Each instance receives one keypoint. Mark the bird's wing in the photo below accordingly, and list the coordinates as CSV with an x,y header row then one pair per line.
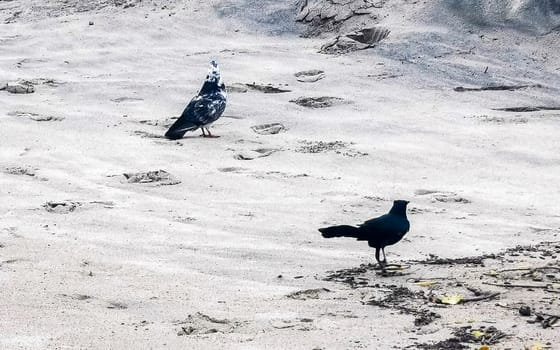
x,y
204,109
375,222
384,228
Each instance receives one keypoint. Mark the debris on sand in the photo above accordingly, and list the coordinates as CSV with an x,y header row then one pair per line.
x,y
354,41
482,335
268,129
498,88
475,260
17,170
448,344
159,177
61,207
527,109
318,102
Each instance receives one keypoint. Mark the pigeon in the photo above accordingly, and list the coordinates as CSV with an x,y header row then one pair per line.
x,y
204,109
380,232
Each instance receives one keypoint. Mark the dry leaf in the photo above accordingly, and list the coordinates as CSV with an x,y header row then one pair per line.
x,y
484,347
426,283
453,299
537,346
479,334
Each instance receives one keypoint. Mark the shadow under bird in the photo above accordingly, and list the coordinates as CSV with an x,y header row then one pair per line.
x,y
204,109
379,232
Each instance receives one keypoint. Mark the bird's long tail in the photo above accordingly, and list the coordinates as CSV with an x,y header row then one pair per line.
x,y
340,231
179,128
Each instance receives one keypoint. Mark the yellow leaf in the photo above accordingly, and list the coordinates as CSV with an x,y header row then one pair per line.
x,y
484,347
537,346
426,283
478,334
451,299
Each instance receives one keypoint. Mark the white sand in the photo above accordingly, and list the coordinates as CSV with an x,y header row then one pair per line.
x,y
217,242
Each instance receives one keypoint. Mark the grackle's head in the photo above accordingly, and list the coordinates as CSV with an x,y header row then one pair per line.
x,y
399,207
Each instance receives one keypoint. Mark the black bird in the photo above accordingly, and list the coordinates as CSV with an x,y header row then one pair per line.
x,y
380,232
204,109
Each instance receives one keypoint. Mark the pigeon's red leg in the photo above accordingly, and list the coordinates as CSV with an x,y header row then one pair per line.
x,y
209,134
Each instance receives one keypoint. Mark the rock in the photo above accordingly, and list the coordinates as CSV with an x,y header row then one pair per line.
x,y
525,310
359,40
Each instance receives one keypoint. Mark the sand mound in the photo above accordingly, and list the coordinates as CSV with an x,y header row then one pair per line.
x,y
267,16
540,15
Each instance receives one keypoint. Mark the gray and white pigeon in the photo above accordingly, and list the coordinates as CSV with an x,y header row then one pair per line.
x,y
204,109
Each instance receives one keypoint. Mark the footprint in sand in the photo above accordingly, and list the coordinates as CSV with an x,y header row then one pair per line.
x,y
35,116
310,76
18,170
442,196
256,153
67,206
156,177
338,147
319,102
200,323
269,129
127,99
308,294
264,88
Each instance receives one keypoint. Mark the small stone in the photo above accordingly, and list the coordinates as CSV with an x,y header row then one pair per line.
x,y
91,23
525,310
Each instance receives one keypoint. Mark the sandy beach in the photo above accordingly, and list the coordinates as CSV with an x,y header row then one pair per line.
x,y
218,247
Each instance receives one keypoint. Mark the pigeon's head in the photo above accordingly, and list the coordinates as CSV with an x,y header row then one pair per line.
x,y
214,73
399,207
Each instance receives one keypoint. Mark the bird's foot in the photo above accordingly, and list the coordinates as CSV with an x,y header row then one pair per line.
x,y
390,270
379,266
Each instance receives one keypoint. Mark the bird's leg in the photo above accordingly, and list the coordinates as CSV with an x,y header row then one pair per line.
x,y
379,262
209,134
384,257
393,266
203,133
